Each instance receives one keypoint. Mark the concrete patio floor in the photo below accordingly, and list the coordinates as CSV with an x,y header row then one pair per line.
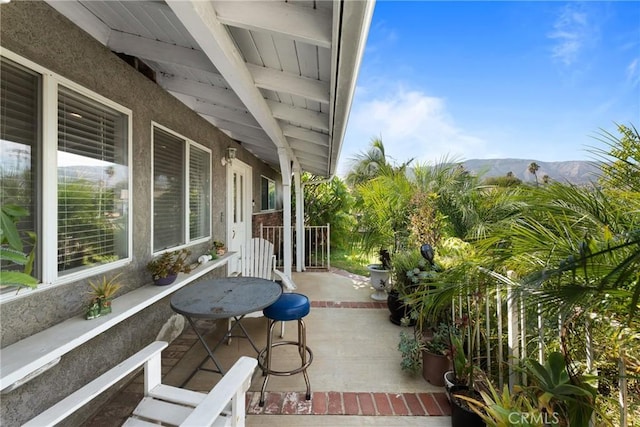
x,y
355,375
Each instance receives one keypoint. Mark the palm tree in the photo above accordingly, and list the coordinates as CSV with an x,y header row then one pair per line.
x,y
368,164
533,169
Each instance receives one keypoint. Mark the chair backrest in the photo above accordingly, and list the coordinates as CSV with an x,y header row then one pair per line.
x,y
258,259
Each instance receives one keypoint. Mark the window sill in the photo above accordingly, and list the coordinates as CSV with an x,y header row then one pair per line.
x,y
33,355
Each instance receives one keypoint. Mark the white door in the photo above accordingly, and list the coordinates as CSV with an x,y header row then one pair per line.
x,y
239,209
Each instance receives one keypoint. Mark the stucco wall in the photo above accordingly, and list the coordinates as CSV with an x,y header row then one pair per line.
x,y
38,33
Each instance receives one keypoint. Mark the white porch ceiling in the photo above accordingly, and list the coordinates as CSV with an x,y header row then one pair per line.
x,y
271,74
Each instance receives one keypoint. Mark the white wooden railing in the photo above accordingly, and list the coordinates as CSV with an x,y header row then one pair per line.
x,y
512,331
316,244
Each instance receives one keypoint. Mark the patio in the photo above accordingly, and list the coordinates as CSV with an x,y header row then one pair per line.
x,y
355,375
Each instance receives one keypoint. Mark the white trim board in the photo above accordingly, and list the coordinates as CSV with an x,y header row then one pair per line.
x,y
33,355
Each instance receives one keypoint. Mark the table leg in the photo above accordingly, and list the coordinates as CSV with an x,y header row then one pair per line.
x,y
237,322
209,354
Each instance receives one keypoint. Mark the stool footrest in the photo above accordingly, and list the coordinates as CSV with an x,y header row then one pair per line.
x,y
262,354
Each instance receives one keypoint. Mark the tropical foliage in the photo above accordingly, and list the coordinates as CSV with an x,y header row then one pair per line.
x,y
329,203
571,252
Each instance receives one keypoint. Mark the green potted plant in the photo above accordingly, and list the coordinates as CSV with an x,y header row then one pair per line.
x,y
410,271
435,360
102,294
165,268
218,248
410,348
494,408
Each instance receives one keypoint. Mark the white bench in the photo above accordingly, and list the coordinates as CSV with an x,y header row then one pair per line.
x,y
224,405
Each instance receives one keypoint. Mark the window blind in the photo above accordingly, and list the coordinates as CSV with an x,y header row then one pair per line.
x,y
168,190
199,193
92,172
19,140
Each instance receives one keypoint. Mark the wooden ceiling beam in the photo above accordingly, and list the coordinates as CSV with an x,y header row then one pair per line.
x,y
304,24
83,18
280,81
299,115
199,90
291,131
158,51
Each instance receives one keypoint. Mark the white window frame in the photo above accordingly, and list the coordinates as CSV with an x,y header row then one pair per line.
x,y
188,144
48,236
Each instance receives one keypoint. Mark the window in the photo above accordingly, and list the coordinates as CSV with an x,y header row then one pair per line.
x,y
66,162
268,194
92,175
181,179
20,135
199,193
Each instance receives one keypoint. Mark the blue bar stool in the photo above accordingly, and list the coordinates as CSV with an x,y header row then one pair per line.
x,y
290,306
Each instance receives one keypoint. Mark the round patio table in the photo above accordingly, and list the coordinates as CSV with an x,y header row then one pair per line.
x,y
224,298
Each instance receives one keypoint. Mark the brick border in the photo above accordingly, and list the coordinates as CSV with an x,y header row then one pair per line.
x,y
349,403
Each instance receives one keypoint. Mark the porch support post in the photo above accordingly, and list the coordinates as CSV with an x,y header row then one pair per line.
x,y
285,169
299,220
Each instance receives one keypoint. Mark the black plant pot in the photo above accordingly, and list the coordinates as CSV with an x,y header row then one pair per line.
x,y
461,414
398,309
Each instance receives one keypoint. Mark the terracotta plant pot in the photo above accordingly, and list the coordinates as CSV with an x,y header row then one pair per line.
x,y
434,366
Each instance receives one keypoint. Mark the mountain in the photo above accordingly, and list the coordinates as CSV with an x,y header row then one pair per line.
x,y
573,171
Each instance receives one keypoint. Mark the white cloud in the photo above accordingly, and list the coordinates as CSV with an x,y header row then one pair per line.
x,y
571,32
411,125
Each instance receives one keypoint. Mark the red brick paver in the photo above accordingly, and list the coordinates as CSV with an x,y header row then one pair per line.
x,y
351,406
366,404
335,402
414,404
398,404
350,403
382,403
441,398
430,403
320,403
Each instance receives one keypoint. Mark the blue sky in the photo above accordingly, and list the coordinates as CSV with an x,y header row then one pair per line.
x,y
533,80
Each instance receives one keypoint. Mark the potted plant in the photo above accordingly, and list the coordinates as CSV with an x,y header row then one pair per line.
x,y
461,360
165,268
410,271
218,248
494,408
410,349
435,361
102,293
379,275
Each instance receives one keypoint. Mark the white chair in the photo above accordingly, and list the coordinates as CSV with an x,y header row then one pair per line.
x,y
224,405
258,260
